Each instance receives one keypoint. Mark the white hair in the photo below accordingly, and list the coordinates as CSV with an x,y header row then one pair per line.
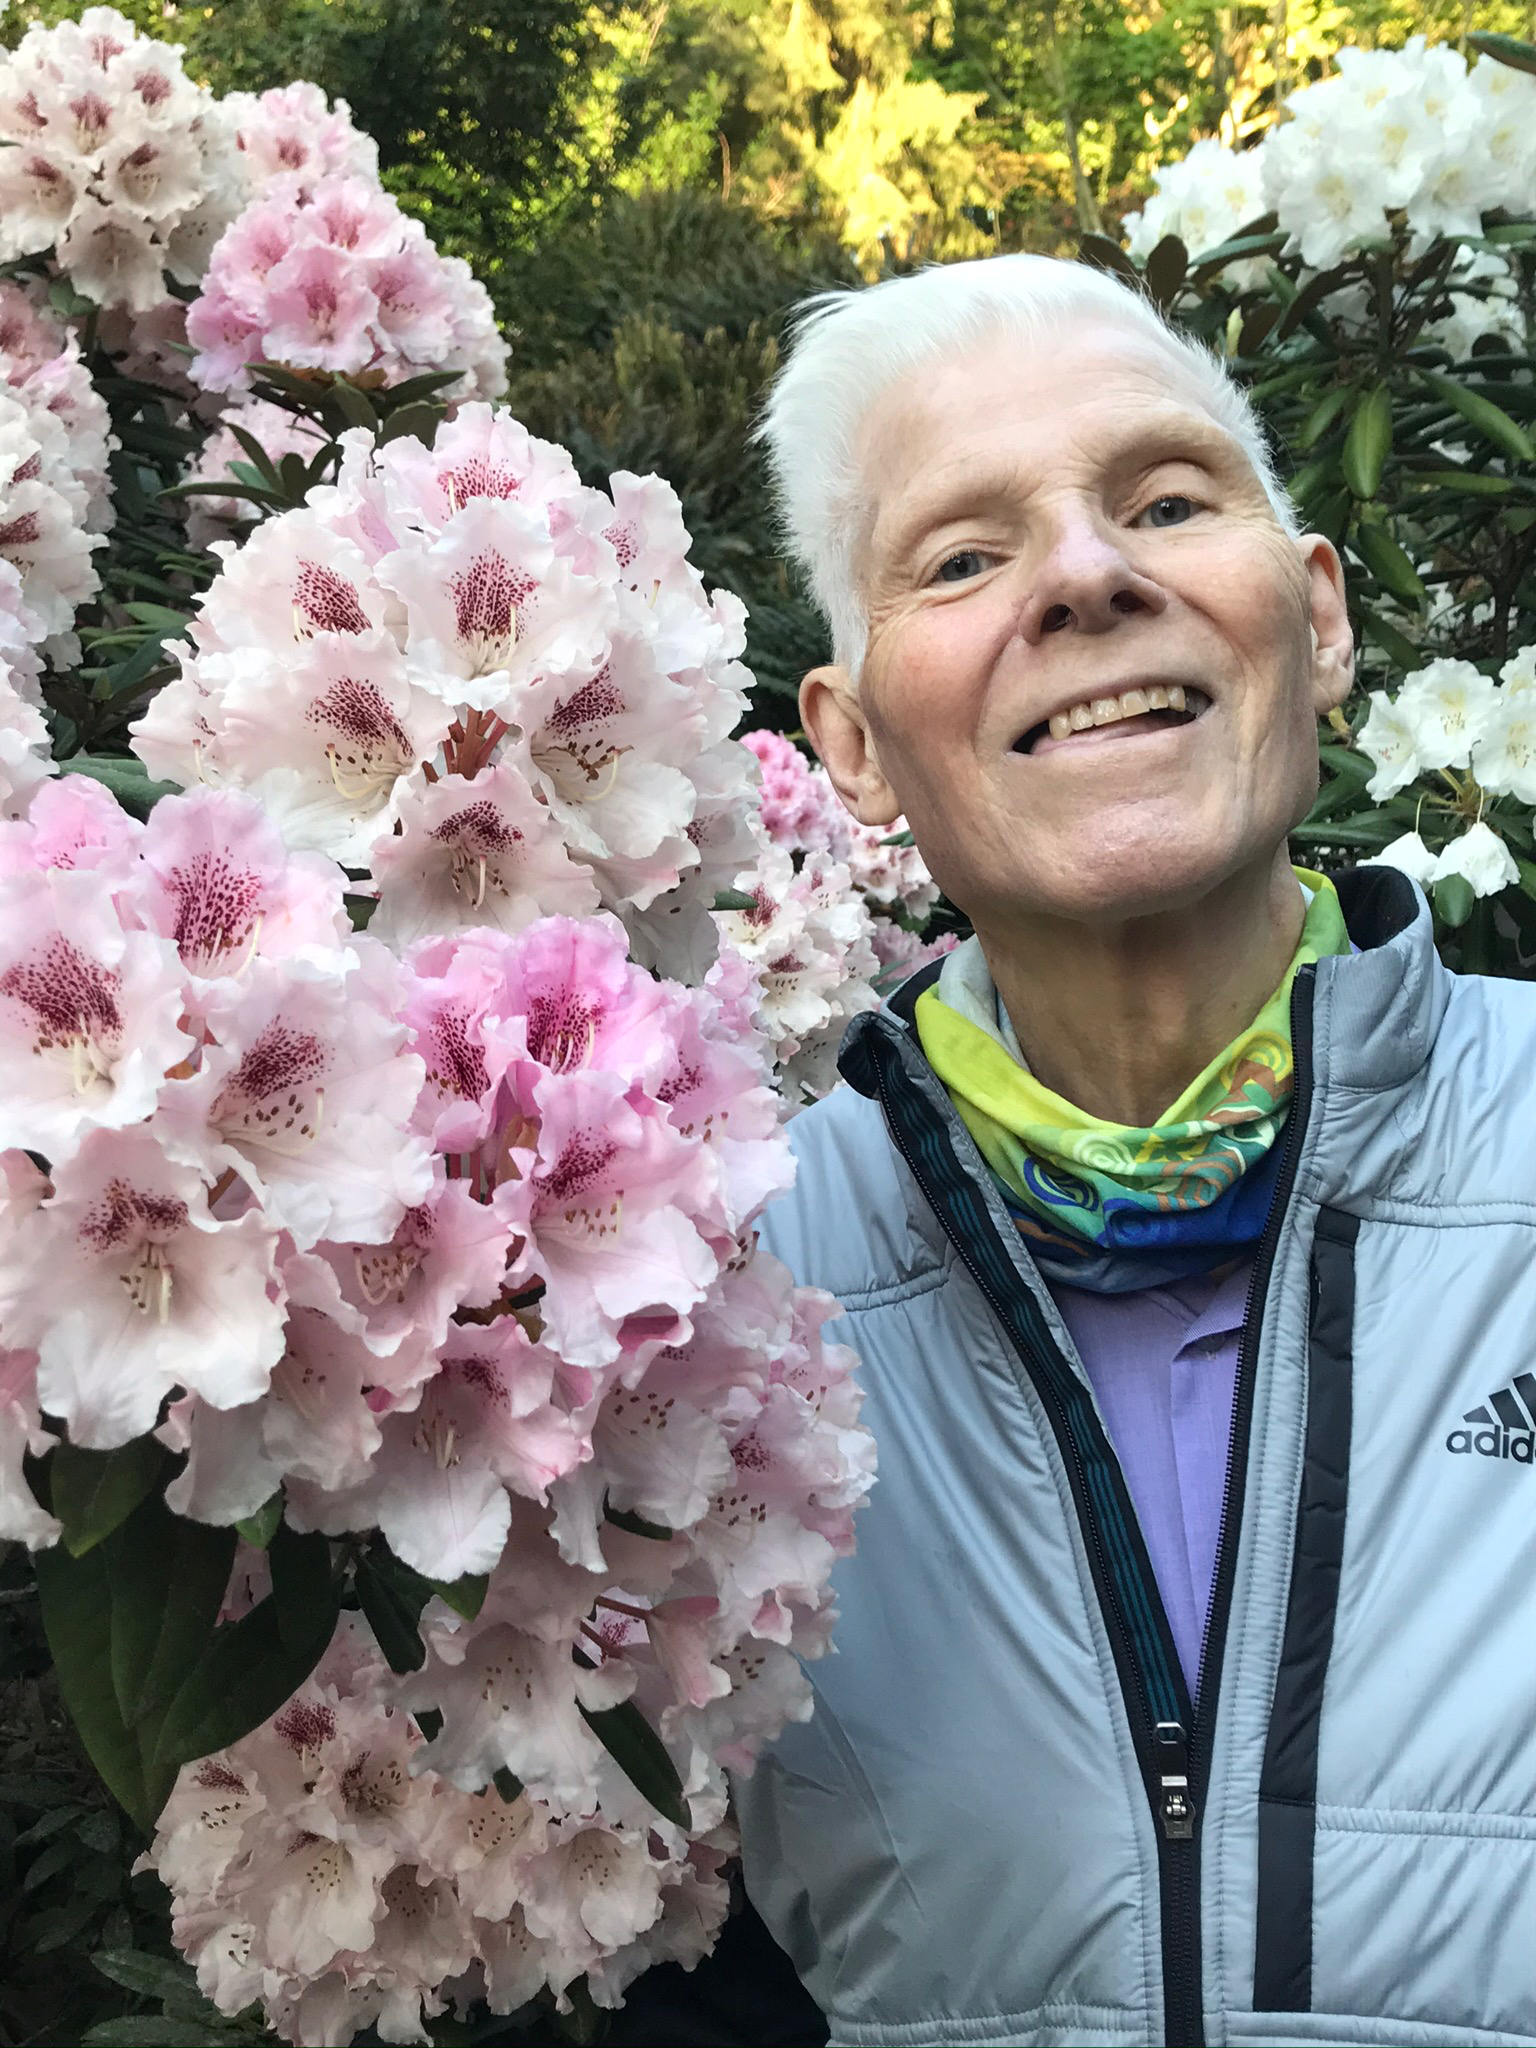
x,y
850,345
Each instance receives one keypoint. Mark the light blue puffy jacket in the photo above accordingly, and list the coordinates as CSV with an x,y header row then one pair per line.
x,y
1006,1822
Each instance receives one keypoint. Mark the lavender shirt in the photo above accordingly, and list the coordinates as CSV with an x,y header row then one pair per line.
x,y
1162,1363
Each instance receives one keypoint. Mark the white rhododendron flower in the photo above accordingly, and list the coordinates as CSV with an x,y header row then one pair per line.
x,y
1410,856
1450,706
1411,135
1504,759
1205,199
1486,304
1390,737
1480,857
1321,193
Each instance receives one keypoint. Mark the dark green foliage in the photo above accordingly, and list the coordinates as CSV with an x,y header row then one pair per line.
x,y
65,1854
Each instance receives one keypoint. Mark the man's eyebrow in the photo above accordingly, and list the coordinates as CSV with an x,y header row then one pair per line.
x,y
1179,437
965,491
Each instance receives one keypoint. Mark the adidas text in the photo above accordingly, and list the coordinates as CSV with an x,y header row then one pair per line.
x,y
1494,1442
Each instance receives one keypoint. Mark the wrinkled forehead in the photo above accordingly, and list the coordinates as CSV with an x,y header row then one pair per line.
x,y
1088,394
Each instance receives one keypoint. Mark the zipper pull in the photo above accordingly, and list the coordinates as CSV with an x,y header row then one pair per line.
x,y
1175,1808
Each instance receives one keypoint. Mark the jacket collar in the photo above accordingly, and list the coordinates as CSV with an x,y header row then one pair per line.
x,y
1378,1011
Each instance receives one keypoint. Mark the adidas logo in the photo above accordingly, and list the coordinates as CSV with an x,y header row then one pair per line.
x,y
1501,1427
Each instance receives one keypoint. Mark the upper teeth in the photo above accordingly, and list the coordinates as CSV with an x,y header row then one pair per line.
x,y
1105,710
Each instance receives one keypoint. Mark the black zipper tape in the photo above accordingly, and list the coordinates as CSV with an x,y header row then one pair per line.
x,y
1282,1964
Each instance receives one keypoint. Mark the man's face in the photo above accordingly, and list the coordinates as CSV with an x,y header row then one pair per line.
x,y
1056,535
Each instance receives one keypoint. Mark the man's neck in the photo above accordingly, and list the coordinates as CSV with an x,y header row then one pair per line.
x,y
1120,1019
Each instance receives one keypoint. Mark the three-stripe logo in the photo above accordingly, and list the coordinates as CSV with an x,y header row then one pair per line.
x,y
1503,1426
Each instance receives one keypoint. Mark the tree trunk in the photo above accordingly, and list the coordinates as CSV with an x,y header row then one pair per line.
x,y
1222,76
1089,219
1279,52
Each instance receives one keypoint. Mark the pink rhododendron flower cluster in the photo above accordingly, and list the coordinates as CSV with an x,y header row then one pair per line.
x,y
889,876
41,365
808,940
503,692
210,1065
44,507
835,907
800,808
110,157
25,762
380,1890
803,812
434,1238
293,132
333,276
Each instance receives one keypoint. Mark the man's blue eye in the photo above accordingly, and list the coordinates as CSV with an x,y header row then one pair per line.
x,y
1168,511
958,567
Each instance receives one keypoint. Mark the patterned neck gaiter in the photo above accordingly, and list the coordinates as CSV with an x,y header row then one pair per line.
x,y
1109,1206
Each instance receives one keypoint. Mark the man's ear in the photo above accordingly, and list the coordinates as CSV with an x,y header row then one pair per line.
x,y
834,720
1333,642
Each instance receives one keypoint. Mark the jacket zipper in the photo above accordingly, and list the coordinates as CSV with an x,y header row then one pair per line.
x,y
1174,1746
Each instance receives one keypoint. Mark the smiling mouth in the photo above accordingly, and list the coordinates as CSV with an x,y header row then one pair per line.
x,y
1153,709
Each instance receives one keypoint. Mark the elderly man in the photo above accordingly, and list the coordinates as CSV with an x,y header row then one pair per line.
x,y
1183,1219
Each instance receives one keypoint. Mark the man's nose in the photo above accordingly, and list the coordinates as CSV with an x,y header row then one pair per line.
x,y
1086,582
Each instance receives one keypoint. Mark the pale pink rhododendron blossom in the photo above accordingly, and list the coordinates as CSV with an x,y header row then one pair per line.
x,y
25,763
22,1518
408,1889
115,161
808,938
177,1002
44,537
327,273
25,756
41,364
800,808
294,132
803,813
